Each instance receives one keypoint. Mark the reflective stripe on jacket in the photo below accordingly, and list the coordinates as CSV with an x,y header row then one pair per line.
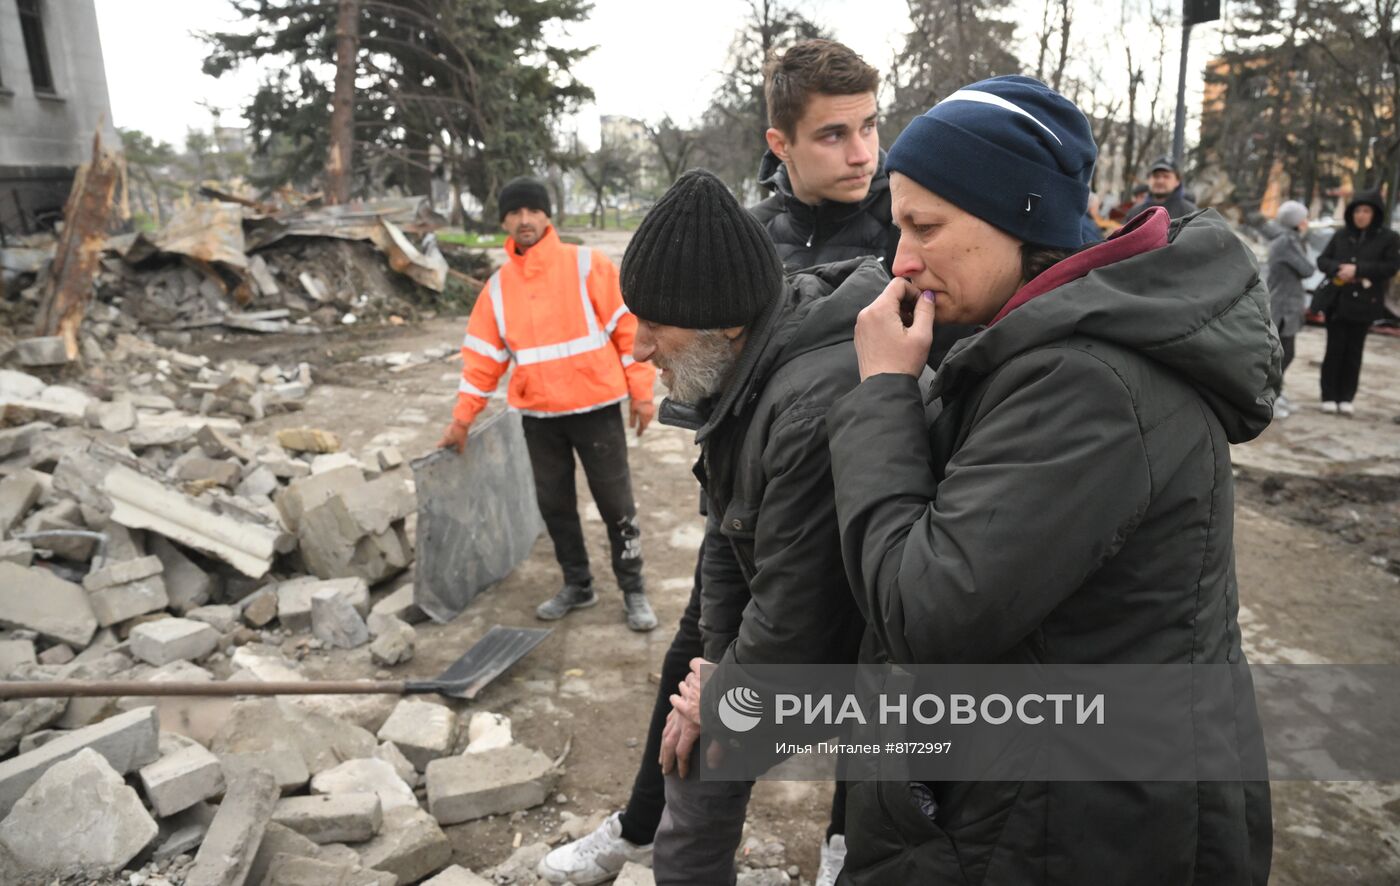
x,y
557,313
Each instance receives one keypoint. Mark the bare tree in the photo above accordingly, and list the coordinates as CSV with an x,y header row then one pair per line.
x,y
674,147
340,160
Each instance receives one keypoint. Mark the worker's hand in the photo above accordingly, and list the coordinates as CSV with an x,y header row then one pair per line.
x,y
640,413
1347,272
895,331
677,742
455,437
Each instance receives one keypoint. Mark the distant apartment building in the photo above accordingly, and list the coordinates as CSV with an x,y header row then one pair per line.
x,y
53,94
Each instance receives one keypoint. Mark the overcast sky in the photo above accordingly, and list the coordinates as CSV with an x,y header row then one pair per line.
x,y
654,57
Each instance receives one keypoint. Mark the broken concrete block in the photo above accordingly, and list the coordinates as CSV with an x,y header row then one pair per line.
x,y
14,653
113,605
303,494
284,466
394,645
208,470
288,736
399,604
142,503
389,458
322,463
182,779
335,622
122,544
334,544
186,585
175,672
22,717
422,730
105,665
490,783
16,385
117,416
221,618
307,440
410,845
127,741
120,573
36,600
341,818
58,654
48,350
182,833
173,639
83,798
63,517
373,776
17,495
278,840
16,441
234,835
259,609
259,481
294,599
217,444
21,553
290,870
477,517
633,874
457,876
487,731
389,753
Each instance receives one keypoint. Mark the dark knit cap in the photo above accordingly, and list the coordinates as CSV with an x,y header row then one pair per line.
x,y
698,260
1164,164
523,193
1011,151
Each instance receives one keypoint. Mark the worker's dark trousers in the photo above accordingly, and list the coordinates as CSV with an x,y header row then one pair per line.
x,y
600,439
1341,362
642,816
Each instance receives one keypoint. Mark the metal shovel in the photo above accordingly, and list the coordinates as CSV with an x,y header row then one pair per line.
x,y
464,678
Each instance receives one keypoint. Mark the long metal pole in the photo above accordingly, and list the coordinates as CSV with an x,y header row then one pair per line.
x,y
1179,132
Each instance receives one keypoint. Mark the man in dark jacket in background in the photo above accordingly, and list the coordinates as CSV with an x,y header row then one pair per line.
x,y
1360,260
1164,188
752,362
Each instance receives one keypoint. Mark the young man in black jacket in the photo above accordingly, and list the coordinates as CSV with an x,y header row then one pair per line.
x,y
830,203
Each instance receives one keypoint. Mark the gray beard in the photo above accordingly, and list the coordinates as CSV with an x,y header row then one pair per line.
x,y
701,370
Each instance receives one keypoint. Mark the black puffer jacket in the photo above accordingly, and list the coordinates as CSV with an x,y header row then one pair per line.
x,y
1072,502
1176,204
1375,250
774,590
830,231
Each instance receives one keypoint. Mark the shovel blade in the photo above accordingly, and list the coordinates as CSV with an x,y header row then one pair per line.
x,y
490,657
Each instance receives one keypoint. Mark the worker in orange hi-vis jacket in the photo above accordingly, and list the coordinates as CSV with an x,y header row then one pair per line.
x,y
556,312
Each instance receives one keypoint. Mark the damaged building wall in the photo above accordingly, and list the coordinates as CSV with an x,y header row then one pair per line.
x,y
46,132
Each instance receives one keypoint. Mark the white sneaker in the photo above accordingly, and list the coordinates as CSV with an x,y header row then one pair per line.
x,y
1345,408
1281,411
1329,407
833,860
597,857
1286,403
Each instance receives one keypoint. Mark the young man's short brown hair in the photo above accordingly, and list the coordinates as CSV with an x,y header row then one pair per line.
x,y
821,66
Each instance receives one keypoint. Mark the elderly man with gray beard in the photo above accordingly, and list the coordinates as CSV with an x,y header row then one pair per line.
x,y
751,362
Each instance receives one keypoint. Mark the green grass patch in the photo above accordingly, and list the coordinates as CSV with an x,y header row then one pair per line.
x,y
459,237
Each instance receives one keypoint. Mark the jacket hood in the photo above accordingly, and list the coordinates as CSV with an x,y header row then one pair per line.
x,y
1372,199
817,309
1197,306
773,176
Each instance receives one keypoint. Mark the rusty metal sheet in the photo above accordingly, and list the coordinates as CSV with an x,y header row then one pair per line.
x,y
208,232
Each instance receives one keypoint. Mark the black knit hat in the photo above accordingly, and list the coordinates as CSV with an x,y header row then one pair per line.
x,y
699,261
523,193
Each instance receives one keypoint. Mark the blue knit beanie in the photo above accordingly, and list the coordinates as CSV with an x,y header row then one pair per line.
x,y
1011,151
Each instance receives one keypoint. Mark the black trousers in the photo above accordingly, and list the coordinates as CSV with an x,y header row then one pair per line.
x,y
600,440
642,816
1289,347
1341,363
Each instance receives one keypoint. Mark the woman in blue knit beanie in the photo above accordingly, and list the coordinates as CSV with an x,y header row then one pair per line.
x,y
1061,494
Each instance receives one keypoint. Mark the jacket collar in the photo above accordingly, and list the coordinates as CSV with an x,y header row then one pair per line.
x,y
537,256
773,176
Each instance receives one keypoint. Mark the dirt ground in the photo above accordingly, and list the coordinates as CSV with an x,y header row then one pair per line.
x,y
1318,543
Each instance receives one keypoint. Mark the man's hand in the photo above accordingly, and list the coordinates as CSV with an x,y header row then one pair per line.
x,y
895,331
640,413
677,742
455,437
1347,272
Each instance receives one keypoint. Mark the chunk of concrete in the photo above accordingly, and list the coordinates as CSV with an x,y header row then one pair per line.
x,y
117,416
232,842
457,876
477,517
259,481
422,730
186,584
373,776
335,545
307,440
17,440
335,622
259,609
291,870
182,833
398,604
46,350
208,470
279,732
220,445
487,731
21,553
127,741
221,618
633,874
37,600
173,639
120,573
79,817
322,463
21,717
62,517
410,845
294,599
390,753
494,782
278,840
178,781
16,385
119,603
339,818
18,494
140,502
394,645
14,653
59,653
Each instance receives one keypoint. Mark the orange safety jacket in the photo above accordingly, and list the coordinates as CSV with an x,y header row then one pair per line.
x,y
557,313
